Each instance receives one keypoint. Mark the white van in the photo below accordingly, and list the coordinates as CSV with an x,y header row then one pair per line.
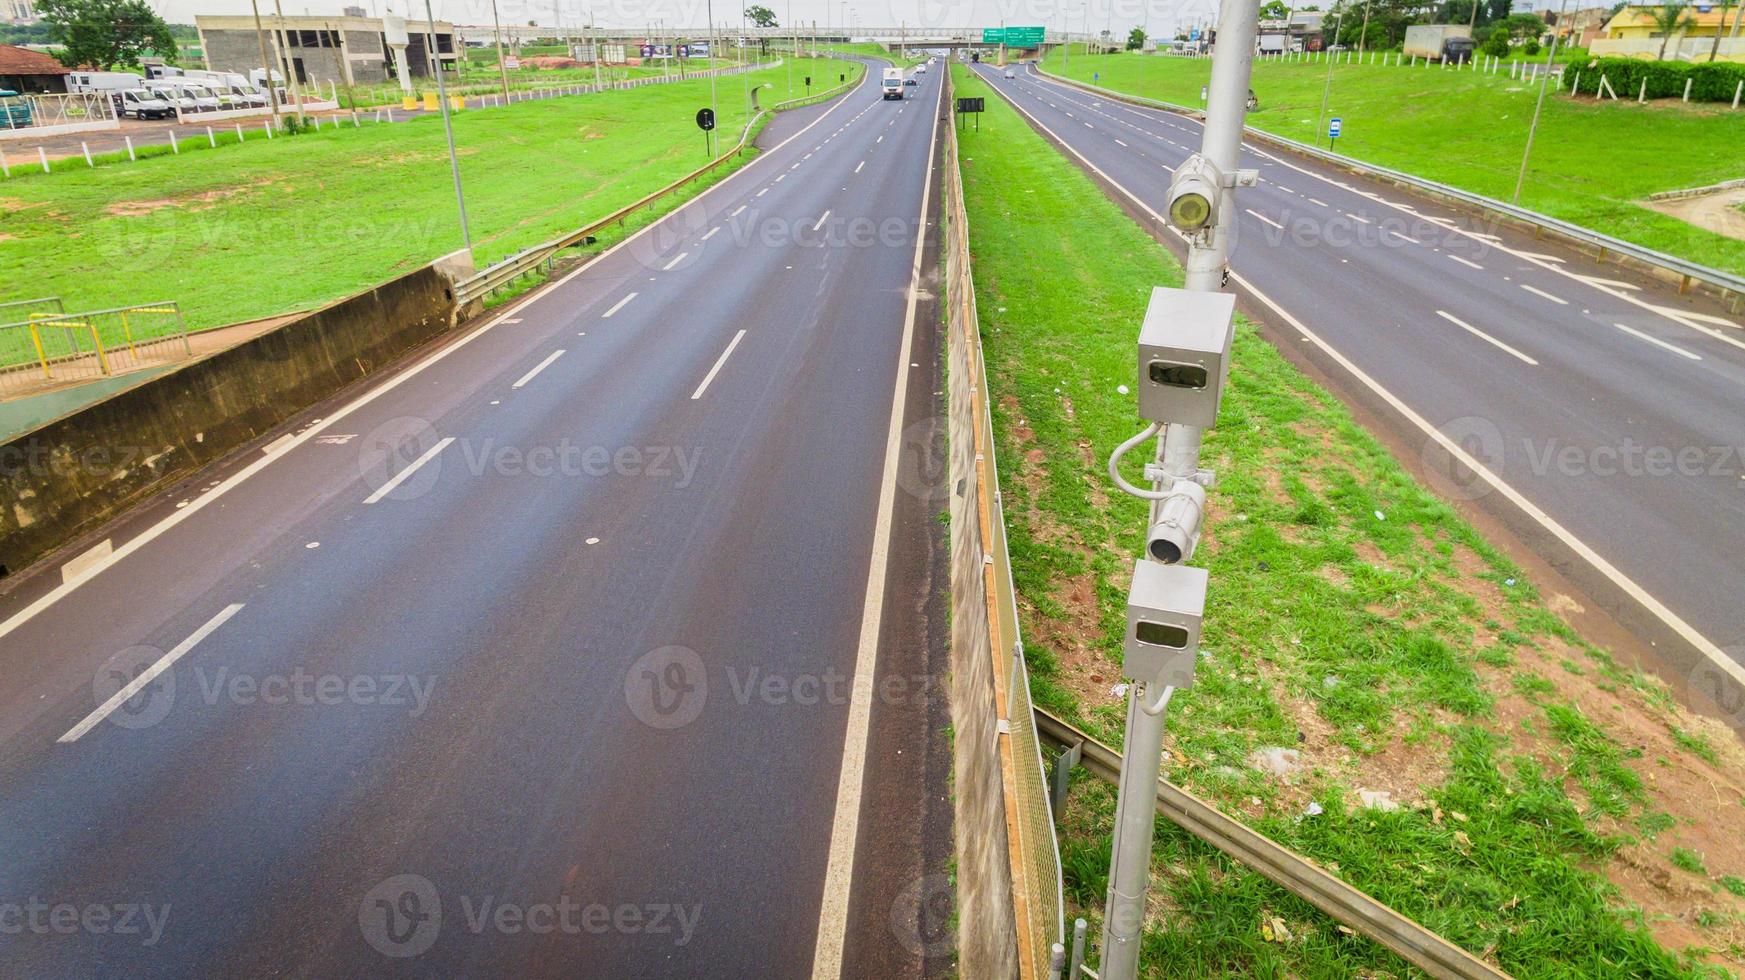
x,y
141,104
892,85
102,81
172,93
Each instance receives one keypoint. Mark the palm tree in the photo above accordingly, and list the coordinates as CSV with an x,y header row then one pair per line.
x,y
1670,19
1721,28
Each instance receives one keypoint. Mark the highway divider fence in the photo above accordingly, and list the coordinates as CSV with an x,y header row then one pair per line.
x,y
1010,899
1729,287
49,349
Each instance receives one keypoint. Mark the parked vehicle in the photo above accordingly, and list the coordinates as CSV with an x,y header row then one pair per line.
x,y
892,84
173,94
81,82
141,103
14,110
1439,42
162,71
1273,44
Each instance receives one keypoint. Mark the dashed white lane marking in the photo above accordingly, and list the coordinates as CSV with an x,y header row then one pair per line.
x,y
1542,294
821,219
761,193
401,476
1656,341
676,260
718,362
150,674
859,165
1264,218
1466,262
1360,219
1480,334
881,139
542,365
1317,202
709,234
736,210
620,304
1119,143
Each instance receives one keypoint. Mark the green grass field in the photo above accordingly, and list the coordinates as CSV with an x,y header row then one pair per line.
x,y
270,226
1591,161
1353,618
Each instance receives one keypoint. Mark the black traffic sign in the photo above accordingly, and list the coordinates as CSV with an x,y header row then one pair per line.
x,y
705,119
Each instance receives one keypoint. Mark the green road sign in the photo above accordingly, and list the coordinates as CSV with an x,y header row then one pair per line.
x,y
1015,37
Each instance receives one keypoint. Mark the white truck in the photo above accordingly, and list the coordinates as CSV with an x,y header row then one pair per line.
x,y
1439,42
892,84
103,81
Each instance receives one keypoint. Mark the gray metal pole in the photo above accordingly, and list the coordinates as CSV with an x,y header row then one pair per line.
x,y
1327,89
709,7
460,200
502,66
1179,453
266,65
1533,127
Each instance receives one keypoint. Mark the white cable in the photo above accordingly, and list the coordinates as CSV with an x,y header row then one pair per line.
x,y
1155,708
1115,465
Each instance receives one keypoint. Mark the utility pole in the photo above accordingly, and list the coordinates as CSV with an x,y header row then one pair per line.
x,y
1203,184
290,69
594,31
1363,33
709,9
460,200
1327,90
502,66
266,64
1532,128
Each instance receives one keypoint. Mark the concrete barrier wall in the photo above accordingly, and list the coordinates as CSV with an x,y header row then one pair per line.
x,y
74,473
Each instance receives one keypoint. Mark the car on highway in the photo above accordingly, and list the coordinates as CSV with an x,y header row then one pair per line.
x,y
140,103
921,69
1011,74
910,81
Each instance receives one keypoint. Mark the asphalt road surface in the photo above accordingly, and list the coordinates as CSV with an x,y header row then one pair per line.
x,y
1603,407
552,653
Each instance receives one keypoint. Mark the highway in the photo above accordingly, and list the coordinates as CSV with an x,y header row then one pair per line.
x,y
1601,409
551,653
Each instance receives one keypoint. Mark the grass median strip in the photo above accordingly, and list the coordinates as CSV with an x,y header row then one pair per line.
x,y
291,223
1593,163
1380,689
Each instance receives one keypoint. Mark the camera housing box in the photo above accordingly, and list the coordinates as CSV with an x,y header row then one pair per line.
x,y
1165,607
1184,355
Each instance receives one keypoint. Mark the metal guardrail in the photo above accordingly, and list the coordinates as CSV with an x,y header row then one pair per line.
x,y
1294,873
1038,889
1687,270
51,349
500,274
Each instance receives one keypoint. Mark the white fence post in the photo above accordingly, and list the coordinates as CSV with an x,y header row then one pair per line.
x,y
1737,91
42,155
130,155
5,171
87,148
213,140
1642,93
174,146
1687,82
268,126
239,137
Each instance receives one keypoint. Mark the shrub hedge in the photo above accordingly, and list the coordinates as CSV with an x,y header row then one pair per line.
x,y
1711,81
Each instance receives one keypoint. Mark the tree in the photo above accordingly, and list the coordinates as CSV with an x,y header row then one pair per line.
x,y
1496,43
107,33
761,16
1274,10
1135,39
1670,19
1721,29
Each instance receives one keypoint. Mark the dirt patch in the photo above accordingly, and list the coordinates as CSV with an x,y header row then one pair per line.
x,y
1719,212
187,202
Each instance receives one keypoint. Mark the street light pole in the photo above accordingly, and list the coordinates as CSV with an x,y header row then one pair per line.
x,y
502,66
709,9
1327,90
460,200
1532,128
266,65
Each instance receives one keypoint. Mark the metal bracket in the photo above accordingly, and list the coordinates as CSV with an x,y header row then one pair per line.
x,y
1155,473
1242,178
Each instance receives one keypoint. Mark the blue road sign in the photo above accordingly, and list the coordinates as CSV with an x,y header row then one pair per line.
x,y
1333,127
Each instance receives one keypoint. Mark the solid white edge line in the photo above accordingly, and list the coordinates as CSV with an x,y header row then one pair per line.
x,y
845,828
400,477
542,365
93,557
150,674
1560,301
1656,341
1487,338
620,304
1654,606
718,362
236,479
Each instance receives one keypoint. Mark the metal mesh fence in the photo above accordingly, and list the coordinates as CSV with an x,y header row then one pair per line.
x,y
51,349
1037,890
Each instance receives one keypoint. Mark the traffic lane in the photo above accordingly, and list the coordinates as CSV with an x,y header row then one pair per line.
x,y
833,387
193,555
1523,435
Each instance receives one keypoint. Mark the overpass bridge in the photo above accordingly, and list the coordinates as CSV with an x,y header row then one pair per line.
x,y
892,37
